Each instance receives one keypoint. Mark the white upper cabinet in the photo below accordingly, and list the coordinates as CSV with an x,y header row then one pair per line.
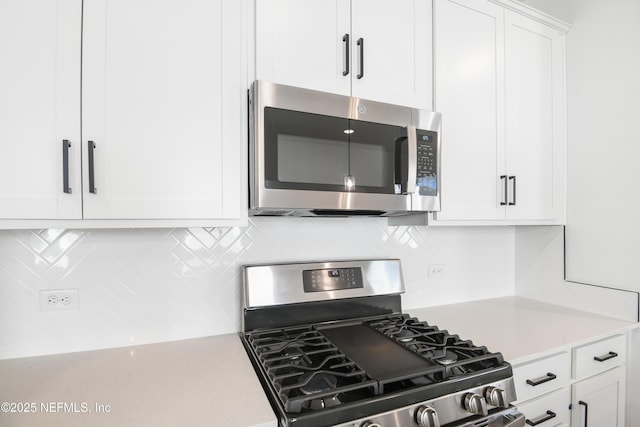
x,y
300,43
469,71
39,109
499,84
163,93
535,116
371,49
161,105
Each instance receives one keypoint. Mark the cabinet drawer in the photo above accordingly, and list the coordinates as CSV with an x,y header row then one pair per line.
x,y
599,356
542,376
549,410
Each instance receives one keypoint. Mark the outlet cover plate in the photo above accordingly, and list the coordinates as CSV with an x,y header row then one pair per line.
x,y
436,271
59,299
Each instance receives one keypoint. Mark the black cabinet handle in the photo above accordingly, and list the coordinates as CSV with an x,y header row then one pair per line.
x,y
513,203
543,418
65,166
586,412
360,44
345,41
542,380
608,356
92,184
504,199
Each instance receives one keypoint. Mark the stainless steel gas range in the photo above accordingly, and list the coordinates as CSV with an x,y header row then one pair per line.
x,y
331,346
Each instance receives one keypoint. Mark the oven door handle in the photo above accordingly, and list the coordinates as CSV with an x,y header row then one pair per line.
x,y
515,419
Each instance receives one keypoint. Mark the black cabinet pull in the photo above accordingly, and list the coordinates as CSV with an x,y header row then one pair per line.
x,y
536,382
513,203
65,166
345,41
360,44
543,418
92,184
586,412
504,199
608,356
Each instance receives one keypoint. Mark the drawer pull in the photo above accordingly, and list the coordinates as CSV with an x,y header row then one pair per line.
x,y
542,380
611,355
541,419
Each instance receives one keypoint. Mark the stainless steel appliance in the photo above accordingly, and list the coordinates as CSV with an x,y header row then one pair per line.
x,y
331,346
313,153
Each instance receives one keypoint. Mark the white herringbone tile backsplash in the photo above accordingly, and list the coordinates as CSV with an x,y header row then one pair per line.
x,y
141,286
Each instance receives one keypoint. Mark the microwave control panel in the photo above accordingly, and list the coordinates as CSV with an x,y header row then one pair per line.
x,y
427,171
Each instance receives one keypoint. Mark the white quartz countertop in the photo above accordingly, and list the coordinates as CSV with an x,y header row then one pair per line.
x,y
210,381
521,329
197,382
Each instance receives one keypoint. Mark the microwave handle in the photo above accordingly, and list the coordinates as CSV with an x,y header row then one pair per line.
x,y
412,159
400,163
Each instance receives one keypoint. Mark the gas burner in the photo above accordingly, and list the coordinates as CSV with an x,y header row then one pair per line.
x,y
295,356
447,358
317,382
403,335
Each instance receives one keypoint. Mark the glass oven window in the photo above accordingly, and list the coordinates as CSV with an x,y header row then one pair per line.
x,y
305,151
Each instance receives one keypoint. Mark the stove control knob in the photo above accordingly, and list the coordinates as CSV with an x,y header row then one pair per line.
x,y
427,417
496,396
475,404
369,424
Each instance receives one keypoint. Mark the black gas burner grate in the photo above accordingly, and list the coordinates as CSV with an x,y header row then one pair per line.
x,y
317,367
307,371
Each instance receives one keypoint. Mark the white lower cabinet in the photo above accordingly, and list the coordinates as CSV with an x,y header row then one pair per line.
x,y
600,400
580,386
542,388
549,410
599,390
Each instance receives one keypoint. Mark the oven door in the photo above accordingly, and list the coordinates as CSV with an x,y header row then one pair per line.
x,y
406,417
507,418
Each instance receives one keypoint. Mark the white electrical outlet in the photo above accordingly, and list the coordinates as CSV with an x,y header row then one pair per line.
x,y
436,271
59,299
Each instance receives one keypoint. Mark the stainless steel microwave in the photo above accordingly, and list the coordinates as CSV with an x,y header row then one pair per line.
x,y
319,154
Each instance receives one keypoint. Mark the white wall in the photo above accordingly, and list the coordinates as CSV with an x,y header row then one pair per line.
x,y
603,90
539,275
142,286
562,9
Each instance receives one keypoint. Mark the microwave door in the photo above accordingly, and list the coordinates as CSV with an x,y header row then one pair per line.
x,y
305,152
377,158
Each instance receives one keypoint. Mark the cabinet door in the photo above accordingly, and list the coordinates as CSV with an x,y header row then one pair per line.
x,y
534,118
39,108
469,64
300,43
162,90
396,51
600,400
